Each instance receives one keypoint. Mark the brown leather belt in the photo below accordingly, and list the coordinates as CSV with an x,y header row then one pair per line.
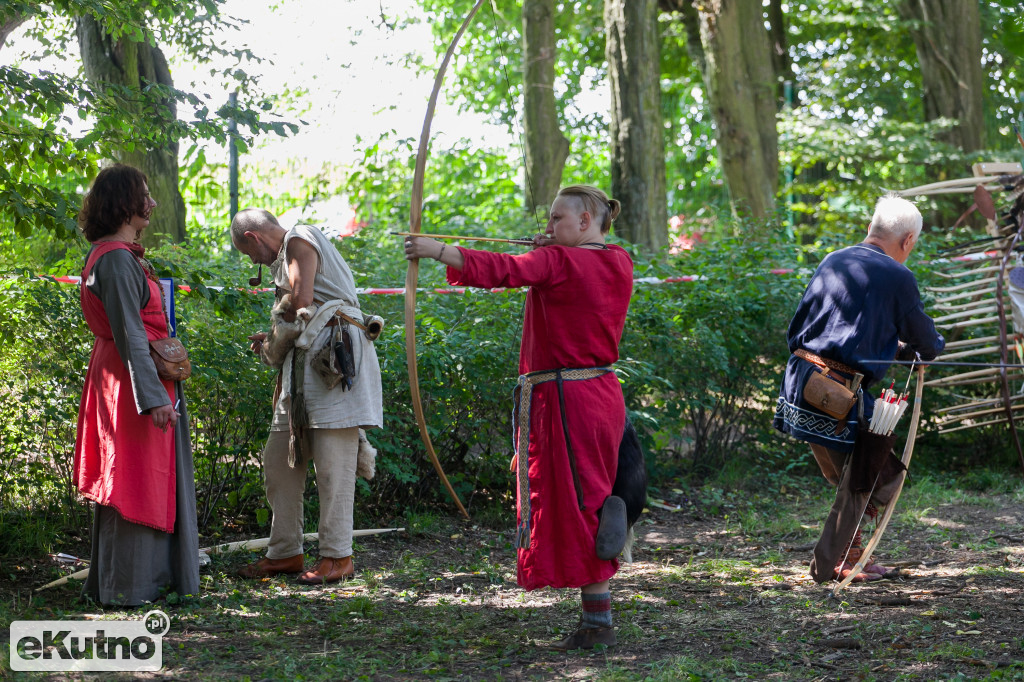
x,y
823,363
338,318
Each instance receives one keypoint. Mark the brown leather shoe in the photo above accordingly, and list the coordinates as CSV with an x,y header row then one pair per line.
x,y
328,570
267,567
585,638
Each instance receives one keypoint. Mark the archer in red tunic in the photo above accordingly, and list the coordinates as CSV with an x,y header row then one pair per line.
x,y
575,313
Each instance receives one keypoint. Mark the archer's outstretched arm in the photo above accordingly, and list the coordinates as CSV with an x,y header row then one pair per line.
x,y
422,247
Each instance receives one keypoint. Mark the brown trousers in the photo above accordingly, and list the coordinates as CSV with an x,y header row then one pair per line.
x,y
849,506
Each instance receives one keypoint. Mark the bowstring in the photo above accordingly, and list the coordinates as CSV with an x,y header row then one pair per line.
x,y
516,128
513,119
910,376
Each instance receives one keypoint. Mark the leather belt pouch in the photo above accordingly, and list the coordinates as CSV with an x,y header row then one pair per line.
x,y
171,359
829,396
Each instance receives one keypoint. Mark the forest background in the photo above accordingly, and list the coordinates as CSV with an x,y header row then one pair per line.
x,y
745,139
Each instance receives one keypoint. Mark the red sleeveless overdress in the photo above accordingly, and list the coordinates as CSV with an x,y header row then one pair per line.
x,y
121,459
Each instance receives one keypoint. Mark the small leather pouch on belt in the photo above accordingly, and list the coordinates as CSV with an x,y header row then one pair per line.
x,y
829,395
171,359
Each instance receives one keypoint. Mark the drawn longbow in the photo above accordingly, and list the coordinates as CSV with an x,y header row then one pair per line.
x,y
412,275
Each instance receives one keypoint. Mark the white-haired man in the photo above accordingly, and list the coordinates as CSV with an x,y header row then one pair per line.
x,y
317,414
861,304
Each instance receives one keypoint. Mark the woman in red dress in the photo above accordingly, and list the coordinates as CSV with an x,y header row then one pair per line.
x,y
133,455
570,411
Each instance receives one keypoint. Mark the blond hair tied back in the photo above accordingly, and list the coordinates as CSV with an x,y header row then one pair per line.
x,y
595,202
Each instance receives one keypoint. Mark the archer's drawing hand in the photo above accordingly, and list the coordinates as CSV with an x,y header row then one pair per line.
x,y
540,240
257,340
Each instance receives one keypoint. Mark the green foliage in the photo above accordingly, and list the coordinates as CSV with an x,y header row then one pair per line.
x,y
701,359
858,127
56,126
41,371
488,72
693,357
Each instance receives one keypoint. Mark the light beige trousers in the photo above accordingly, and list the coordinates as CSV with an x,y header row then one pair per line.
x,y
334,463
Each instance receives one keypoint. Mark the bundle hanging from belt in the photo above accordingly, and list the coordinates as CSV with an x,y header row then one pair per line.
x,y
521,422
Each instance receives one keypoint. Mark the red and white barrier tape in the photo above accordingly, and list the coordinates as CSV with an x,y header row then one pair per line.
x,y
399,291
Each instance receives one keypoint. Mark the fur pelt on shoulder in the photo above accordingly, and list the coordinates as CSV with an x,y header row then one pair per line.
x,y
281,338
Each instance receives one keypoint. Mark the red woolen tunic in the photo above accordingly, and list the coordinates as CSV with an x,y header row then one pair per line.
x,y
575,313
121,459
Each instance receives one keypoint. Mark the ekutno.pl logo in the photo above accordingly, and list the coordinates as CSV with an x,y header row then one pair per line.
x,y
89,645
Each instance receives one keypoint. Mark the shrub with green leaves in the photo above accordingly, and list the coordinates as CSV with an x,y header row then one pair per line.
x,y
699,365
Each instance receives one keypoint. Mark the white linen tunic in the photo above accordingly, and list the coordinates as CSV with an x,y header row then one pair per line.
x,y
333,285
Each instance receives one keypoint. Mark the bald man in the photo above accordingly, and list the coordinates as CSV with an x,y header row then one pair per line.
x,y
317,416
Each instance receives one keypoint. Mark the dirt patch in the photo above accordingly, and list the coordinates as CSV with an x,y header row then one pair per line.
x,y
707,598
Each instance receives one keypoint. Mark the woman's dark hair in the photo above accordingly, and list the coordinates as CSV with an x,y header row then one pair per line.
x,y
117,194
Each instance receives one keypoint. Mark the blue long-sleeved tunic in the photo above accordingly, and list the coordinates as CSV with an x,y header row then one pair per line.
x,y
858,306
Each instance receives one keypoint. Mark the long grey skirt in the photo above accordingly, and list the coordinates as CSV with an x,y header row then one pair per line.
x,y
132,564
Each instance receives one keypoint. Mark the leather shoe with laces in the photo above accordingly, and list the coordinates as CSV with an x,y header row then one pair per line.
x,y
585,638
267,567
328,570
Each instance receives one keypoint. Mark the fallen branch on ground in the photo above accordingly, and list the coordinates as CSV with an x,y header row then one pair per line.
x,y
242,545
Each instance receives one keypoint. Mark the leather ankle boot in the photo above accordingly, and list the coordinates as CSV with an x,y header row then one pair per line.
x,y
267,567
328,570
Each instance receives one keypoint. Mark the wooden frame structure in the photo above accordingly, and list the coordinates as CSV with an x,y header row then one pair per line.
x,y
971,305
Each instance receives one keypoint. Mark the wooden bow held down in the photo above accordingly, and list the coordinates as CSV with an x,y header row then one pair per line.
x,y
908,450
412,274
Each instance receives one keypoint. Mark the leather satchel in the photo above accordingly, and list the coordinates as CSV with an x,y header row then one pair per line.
x,y
171,359
829,396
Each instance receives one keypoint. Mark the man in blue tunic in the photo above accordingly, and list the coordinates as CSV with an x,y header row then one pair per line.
x,y
861,304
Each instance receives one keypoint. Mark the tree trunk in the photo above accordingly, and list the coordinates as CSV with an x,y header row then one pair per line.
x,y
546,147
8,25
948,41
637,142
782,65
740,84
134,65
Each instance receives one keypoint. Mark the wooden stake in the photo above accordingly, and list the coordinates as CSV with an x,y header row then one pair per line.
x,y
966,375
967,313
946,263
973,323
959,381
958,184
978,403
971,342
978,425
970,305
968,415
970,353
966,272
987,291
965,285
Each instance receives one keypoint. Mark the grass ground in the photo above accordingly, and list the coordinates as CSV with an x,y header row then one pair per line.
x,y
719,590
